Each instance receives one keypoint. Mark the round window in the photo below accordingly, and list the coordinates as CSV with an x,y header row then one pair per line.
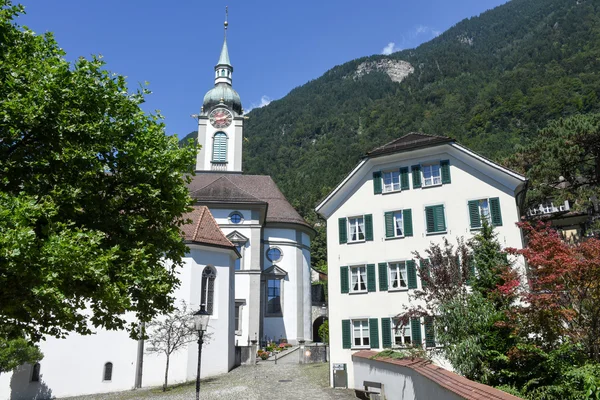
x,y
235,218
274,254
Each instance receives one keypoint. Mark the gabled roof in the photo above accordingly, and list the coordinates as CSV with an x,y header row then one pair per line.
x,y
250,189
275,271
204,229
411,141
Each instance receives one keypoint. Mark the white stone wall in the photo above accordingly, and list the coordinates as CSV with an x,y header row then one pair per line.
x,y
470,179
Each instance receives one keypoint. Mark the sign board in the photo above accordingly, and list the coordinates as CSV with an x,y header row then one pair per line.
x,y
339,367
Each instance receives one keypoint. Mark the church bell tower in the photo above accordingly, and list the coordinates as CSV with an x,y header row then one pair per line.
x,y
220,122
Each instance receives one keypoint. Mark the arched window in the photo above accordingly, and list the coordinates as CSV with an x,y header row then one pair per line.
x,y
220,147
107,371
35,373
208,289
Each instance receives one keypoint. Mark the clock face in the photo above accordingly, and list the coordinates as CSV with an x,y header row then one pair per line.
x,y
220,118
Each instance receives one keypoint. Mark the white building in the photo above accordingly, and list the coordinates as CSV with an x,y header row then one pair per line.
x,y
272,279
401,197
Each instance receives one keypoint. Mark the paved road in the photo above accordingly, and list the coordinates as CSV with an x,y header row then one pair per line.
x,y
265,381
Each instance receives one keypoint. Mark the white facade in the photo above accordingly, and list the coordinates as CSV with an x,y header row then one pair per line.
x,y
75,365
471,178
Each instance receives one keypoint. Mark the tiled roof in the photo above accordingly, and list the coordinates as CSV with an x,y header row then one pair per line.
x,y
460,385
411,141
204,228
209,187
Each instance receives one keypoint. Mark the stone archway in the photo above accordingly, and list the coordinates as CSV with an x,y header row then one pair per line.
x,y
316,325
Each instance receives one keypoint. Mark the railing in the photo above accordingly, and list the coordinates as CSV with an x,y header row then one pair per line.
x,y
548,208
219,166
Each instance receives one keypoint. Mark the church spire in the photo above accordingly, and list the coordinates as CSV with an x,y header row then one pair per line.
x,y
224,69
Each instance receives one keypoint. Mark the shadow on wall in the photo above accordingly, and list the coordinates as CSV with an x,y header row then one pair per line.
x,y
274,330
22,388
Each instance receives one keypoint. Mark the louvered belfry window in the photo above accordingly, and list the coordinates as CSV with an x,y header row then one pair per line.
x,y
208,288
220,147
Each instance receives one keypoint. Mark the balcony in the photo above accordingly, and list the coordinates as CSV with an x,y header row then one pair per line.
x,y
547,208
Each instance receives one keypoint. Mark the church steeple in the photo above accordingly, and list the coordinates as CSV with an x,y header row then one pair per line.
x,y
224,69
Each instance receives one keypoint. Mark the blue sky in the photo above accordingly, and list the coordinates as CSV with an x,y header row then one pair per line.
x,y
274,46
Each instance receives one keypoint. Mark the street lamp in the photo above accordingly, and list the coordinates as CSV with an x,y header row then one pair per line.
x,y
201,318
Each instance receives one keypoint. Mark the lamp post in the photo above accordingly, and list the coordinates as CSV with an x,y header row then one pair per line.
x,y
201,318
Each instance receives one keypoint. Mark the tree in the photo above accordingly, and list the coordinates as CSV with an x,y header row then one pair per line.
x,y
92,193
324,332
172,333
15,352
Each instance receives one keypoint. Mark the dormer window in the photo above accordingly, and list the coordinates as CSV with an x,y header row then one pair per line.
x,y
432,175
391,181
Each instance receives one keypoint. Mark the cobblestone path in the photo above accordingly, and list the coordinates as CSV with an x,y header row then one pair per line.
x,y
264,381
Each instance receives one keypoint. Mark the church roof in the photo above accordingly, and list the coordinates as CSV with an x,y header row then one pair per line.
x,y
204,229
410,141
224,58
210,187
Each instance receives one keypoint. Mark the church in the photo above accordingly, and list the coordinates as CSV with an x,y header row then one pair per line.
x,y
248,264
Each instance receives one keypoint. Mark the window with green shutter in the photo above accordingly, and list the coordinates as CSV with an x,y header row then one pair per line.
x,y
408,225
344,280
389,224
495,210
369,227
371,280
343,230
398,224
415,329
377,182
435,219
416,176
374,333
386,333
346,334
404,185
475,213
383,281
411,273
429,332
484,209
445,167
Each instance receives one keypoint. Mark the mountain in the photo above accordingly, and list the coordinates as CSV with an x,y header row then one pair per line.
x,y
490,81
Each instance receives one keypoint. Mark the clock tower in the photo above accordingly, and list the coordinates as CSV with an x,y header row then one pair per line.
x,y
220,122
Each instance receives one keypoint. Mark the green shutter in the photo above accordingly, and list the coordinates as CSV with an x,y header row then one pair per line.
x,y
404,185
344,283
389,225
369,227
474,214
424,270
343,229
377,182
429,332
386,333
407,220
495,210
416,176
415,330
374,333
445,166
346,337
440,221
430,219
383,277
371,281
411,273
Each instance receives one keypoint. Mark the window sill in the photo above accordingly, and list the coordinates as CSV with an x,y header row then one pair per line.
x,y
423,186
391,191
356,241
218,162
360,348
359,292
273,315
395,237
436,233
398,290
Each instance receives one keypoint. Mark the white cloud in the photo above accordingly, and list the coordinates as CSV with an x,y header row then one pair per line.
x,y
426,30
264,101
389,49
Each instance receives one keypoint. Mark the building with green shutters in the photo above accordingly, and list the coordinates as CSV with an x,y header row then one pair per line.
x,y
401,197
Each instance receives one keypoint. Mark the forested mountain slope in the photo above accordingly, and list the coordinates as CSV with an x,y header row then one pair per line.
x,y
490,81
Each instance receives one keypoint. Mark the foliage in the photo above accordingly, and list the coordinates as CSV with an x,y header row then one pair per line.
x,y
174,332
564,300
324,331
17,351
91,193
393,354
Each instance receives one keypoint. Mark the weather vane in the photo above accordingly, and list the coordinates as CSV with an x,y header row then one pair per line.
x,y
226,17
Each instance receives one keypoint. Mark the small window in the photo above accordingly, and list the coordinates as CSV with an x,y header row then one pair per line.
x,y
356,228
358,278
398,276
360,333
236,218
401,333
391,181
398,224
208,288
432,175
238,261
435,219
35,373
238,317
108,368
219,147
274,297
485,209
274,254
